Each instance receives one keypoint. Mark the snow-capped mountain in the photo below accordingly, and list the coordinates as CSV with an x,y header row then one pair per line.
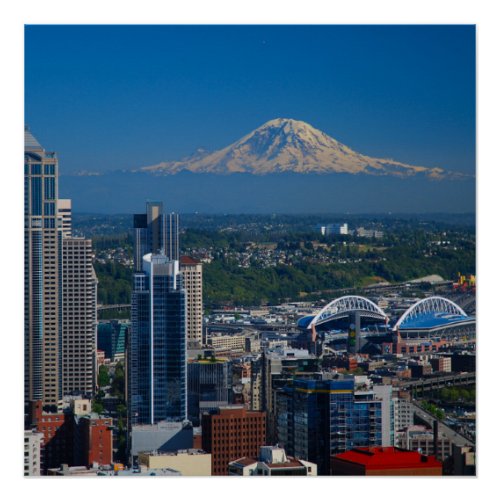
x,y
286,145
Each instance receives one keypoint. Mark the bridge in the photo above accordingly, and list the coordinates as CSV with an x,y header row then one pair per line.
x,y
434,383
107,307
455,437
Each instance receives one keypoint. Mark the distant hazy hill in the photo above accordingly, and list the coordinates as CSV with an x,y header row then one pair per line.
x,y
284,166
286,145
126,192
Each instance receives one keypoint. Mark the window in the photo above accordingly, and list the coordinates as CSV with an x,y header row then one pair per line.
x,y
49,169
49,208
36,196
49,188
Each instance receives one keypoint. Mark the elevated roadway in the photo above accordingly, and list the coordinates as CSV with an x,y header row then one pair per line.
x,y
432,383
429,419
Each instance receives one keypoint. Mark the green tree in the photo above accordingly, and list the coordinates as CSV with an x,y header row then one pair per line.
x,y
103,378
118,382
97,407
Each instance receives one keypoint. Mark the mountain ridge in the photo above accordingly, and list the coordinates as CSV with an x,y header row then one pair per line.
x,y
288,145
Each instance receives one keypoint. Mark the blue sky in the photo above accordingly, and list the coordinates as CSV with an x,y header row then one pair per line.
x,y
112,97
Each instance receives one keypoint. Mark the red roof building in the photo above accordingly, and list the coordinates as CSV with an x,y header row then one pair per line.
x,y
385,461
189,261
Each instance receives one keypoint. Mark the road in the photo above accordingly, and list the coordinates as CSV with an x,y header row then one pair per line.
x,y
454,437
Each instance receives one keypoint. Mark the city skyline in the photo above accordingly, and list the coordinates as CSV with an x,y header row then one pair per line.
x,y
90,138
263,345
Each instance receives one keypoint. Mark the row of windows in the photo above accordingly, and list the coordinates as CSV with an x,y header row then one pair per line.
x,y
36,169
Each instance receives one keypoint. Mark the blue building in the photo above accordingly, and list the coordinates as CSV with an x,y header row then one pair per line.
x,y
157,343
111,338
320,418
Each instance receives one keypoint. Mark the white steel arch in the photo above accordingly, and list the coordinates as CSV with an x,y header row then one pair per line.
x,y
344,305
430,305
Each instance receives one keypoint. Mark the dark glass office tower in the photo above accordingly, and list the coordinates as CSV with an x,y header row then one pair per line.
x,y
155,233
320,418
171,230
42,275
157,343
209,386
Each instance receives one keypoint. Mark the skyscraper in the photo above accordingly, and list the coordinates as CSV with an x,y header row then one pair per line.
x,y
192,273
79,307
171,231
155,233
64,213
209,383
42,275
157,343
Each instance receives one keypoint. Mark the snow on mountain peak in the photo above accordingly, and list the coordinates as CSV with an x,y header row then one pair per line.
x,y
288,145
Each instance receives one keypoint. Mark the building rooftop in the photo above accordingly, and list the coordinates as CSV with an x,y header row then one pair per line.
x,y
190,451
30,143
189,261
435,320
389,457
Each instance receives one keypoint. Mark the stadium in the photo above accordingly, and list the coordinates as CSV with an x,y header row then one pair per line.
x,y
424,326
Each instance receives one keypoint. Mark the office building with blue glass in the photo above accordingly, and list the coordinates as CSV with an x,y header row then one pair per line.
x,y
111,338
156,368
320,418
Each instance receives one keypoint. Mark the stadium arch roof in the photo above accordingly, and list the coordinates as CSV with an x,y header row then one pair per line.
x,y
343,306
431,313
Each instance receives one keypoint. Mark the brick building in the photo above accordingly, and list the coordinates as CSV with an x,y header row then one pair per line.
x,y
95,439
230,433
441,364
72,439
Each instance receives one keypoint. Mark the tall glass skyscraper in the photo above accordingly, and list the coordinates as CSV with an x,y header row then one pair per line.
x,y
157,343
155,232
42,275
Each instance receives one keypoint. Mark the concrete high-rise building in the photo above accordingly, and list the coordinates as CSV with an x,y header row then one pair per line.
x,y
155,233
33,441
403,413
64,214
192,273
156,364
79,317
42,275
